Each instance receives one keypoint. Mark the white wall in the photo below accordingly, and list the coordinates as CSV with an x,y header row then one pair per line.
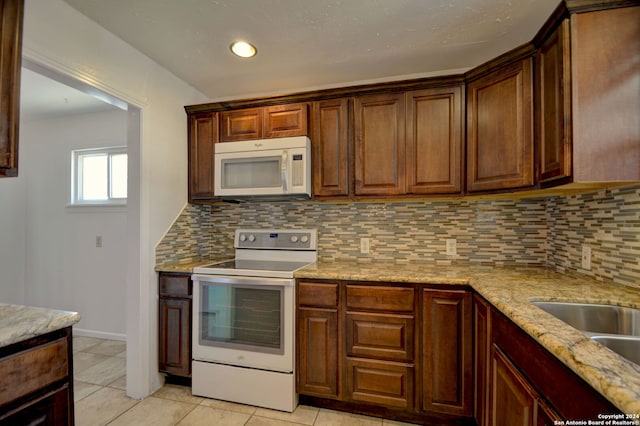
x,y
12,238
64,268
59,38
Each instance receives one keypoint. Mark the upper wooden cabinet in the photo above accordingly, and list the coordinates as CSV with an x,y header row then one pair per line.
x,y
11,16
264,122
203,135
553,105
434,145
330,144
409,143
379,144
500,129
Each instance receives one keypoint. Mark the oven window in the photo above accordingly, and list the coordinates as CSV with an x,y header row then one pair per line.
x,y
242,317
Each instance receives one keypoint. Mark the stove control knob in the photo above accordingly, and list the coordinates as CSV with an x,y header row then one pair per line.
x,y
252,238
304,239
243,237
294,238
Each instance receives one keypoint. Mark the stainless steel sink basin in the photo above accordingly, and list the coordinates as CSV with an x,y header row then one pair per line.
x,y
628,347
592,318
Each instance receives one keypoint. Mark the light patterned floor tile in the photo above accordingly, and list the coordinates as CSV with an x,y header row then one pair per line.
x,y
101,407
207,416
82,390
386,422
303,414
264,421
154,411
84,360
104,372
108,347
177,393
119,383
229,406
81,343
337,418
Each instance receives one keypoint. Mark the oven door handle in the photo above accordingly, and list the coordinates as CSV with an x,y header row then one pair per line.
x,y
236,280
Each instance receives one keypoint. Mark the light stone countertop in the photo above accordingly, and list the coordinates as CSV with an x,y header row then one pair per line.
x,y
187,266
18,323
511,290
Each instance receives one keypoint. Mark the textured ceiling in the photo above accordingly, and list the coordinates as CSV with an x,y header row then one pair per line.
x,y
310,44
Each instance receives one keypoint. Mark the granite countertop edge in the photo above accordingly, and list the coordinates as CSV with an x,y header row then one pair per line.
x,y
510,289
19,322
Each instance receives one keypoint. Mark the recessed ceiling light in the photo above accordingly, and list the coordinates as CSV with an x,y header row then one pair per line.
x,y
243,49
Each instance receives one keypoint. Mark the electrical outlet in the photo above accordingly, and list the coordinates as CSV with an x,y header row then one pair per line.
x,y
364,245
586,257
99,241
452,249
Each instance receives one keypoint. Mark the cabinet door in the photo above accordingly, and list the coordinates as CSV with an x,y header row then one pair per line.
x,y
379,124
55,408
553,105
447,354
500,129
330,147
546,416
203,135
286,120
318,352
11,13
513,401
242,124
175,336
482,357
383,383
434,141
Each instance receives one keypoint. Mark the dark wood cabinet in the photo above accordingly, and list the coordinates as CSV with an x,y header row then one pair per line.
x,y
553,105
317,342
330,144
11,15
264,122
512,401
175,314
447,351
481,359
37,380
500,129
434,140
386,346
512,374
605,46
203,135
243,124
379,141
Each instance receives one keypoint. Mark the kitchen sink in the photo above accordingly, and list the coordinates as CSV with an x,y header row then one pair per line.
x,y
627,347
593,318
615,327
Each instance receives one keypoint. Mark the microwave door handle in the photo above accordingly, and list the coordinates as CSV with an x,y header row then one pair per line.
x,y
283,170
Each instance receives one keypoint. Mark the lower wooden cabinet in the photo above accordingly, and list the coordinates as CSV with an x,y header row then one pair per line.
x,y
512,378
37,381
175,314
447,352
385,346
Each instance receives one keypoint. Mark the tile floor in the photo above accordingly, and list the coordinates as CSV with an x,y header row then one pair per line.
x,y
99,393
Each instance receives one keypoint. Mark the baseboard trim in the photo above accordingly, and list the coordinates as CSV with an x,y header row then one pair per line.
x,y
99,334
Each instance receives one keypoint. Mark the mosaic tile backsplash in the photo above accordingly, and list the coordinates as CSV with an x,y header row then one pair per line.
x,y
547,231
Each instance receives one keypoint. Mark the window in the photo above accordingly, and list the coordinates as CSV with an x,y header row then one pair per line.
x,y
99,176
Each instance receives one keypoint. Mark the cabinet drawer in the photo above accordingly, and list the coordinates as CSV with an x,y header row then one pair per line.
x,y
318,294
285,120
238,125
175,285
380,298
33,369
380,336
379,382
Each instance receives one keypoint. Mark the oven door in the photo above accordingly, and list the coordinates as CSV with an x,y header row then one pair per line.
x,y
244,321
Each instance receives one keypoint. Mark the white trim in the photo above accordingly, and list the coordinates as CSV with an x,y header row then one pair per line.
x,y
99,334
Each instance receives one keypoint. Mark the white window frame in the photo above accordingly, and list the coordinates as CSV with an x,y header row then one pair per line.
x,y
76,176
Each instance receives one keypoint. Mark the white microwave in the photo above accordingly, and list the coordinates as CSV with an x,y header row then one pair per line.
x,y
266,168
